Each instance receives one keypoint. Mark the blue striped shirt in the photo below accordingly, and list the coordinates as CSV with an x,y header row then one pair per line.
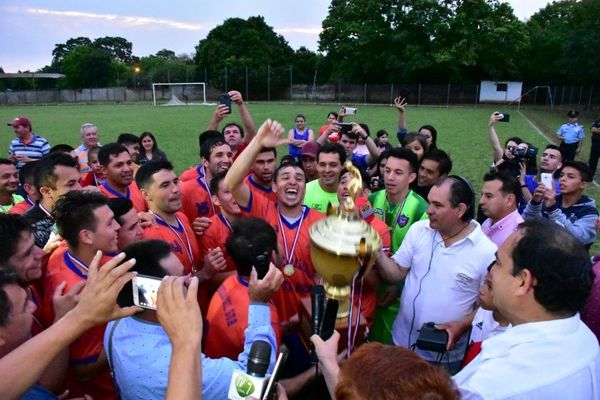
x,y
36,149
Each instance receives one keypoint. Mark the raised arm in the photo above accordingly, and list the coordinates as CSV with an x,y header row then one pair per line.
x,y
22,367
400,105
221,111
374,151
247,120
179,314
497,149
268,135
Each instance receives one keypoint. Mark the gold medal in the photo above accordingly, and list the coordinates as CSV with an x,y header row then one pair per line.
x,y
288,269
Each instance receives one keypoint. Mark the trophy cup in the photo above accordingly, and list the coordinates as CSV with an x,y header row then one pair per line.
x,y
342,245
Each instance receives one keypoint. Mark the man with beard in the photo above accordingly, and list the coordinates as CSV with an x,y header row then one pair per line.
x,y
118,164
197,201
159,186
288,216
260,179
435,165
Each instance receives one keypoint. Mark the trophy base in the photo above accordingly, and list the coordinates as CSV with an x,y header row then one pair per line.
x,y
341,325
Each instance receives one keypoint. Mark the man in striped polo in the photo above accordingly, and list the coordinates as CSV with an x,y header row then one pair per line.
x,y
27,146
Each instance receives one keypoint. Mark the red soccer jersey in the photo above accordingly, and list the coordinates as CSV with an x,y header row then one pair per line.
x,y
299,284
21,207
196,199
133,194
215,236
64,267
258,189
89,179
181,238
197,171
227,319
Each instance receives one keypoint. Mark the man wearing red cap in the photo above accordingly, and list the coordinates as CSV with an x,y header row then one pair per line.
x,y
27,146
309,160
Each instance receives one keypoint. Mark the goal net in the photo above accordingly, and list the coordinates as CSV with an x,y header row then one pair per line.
x,y
179,94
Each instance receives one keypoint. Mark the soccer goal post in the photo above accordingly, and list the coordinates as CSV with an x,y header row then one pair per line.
x,y
179,94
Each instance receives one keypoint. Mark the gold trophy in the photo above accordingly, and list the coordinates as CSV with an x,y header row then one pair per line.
x,y
341,245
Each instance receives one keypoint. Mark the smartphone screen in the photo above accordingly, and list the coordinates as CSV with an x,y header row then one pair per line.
x,y
145,291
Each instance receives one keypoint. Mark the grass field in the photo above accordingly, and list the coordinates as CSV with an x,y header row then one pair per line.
x,y
462,131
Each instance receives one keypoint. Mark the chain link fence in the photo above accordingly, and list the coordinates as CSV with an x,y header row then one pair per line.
x,y
282,83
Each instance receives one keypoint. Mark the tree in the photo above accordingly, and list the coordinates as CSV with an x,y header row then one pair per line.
x,y
357,37
549,31
237,44
61,50
119,48
88,66
484,41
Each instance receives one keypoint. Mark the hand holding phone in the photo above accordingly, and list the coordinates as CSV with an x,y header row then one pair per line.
x,y
145,291
546,179
225,99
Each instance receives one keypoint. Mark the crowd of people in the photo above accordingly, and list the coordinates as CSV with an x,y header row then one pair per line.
x,y
504,276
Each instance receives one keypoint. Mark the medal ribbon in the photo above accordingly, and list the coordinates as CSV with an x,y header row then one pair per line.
x,y
289,254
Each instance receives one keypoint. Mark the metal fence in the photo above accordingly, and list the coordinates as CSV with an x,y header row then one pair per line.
x,y
254,89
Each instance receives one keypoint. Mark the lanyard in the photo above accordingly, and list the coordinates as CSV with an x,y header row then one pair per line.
x,y
290,253
225,221
186,244
45,210
202,182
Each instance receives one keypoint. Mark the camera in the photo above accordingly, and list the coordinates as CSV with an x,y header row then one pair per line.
x,y
522,154
432,339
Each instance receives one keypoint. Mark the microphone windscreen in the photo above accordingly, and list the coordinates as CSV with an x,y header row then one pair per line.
x,y
259,358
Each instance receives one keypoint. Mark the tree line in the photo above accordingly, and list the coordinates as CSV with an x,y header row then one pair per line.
x,y
362,41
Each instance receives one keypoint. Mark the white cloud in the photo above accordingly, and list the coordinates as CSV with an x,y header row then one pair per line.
x,y
306,31
123,20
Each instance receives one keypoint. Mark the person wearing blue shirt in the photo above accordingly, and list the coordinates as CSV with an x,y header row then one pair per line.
x,y
571,135
138,348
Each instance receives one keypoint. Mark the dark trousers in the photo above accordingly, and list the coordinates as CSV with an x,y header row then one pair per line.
x,y
594,156
569,150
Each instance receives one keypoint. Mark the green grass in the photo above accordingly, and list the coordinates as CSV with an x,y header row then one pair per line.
x,y
462,131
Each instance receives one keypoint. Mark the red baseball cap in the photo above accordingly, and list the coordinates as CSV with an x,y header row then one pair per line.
x,y
310,149
20,121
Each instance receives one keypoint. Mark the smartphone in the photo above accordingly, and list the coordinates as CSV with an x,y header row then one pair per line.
x,y
145,291
350,110
271,390
546,179
329,317
262,265
505,117
345,127
226,100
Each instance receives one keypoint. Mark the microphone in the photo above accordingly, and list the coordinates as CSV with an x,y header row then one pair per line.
x,y
252,382
317,300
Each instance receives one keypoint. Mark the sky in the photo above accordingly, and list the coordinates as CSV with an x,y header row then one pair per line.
x,y
31,28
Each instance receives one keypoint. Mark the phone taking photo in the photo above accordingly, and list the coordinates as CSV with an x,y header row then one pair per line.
x,y
546,179
225,100
145,291
505,117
